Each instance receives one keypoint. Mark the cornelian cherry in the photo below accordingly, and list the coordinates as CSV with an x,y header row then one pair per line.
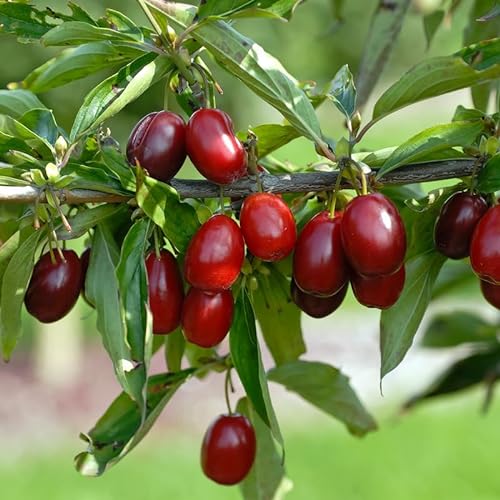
x,y
268,226
491,293
317,307
207,316
456,222
54,287
373,235
228,449
319,263
215,254
166,292
378,291
158,143
213,148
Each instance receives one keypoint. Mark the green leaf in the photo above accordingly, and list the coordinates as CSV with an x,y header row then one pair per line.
x,y
76,63
463,374
120,430
432,22
161,203
489,176
175,346
436,138
492,14
17,102
23,20
467,114
342,91
454,275
326,388
267,477
459,327
114,93
278,317
221,8
440,75
43,123
96,178
102,290
15,282
271,137
399,323
258,70
133,291
116,162
246,357
384,31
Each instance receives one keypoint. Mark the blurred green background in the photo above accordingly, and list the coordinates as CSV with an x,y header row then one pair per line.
x,y
60,381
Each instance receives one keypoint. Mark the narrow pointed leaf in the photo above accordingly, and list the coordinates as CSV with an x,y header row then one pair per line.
x,y
17,102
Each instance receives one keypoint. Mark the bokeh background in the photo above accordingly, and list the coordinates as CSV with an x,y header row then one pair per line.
x,y
60,379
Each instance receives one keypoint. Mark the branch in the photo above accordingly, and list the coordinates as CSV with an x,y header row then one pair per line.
x,y
284,183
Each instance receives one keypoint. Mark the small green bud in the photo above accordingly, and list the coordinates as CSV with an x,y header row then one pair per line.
x,y
247,267
491,146
61,146
343,148
355,122
52,172
253,283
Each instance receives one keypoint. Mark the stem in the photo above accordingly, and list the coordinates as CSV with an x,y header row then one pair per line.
x,y
157,243
228,384
364,130
335,193
153,23
221,200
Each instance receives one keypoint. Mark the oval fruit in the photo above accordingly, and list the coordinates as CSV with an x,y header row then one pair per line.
x,y
215,255
319,263
456,222
317,307
54,287
158,143
373,235
268,226
166,291
228,449
378,291
207,316
485,246
491,293
213,148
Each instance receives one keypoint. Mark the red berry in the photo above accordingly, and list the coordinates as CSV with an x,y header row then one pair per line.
x,y
54,288
213,148
491,293
158,143
215,255
166,292
373,235
485,246
228,449
456,222
319,263
268,226
378,291
207,316
317,307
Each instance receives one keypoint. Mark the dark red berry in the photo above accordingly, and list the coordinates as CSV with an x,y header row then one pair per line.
x,y
166,291
491,293
228,449
373,235
378,291
213,148
319,263
215,255
207,316
456,222
158,143
54,287
268,226
317,307
485,246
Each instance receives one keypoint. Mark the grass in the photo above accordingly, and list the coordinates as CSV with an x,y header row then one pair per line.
x,y
443,450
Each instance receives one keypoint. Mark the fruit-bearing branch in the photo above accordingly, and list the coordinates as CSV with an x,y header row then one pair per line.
x,y
284,183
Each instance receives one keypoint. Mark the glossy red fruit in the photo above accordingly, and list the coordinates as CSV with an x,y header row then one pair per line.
x,y
378,291
319,263
317,307
373,235
213,148
228,449
215,255
268,226
491,292
207,316
54,287
485,246
158,143
166,291
456,222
